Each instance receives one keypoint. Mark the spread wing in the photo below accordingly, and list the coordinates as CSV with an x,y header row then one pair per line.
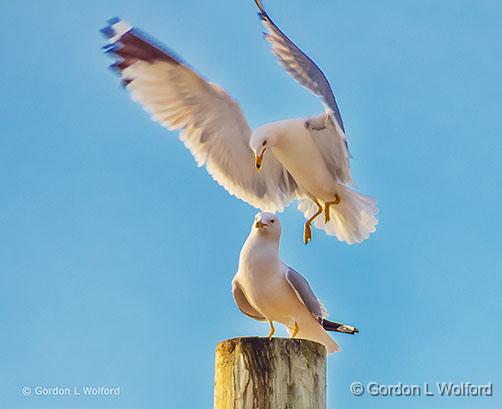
x,y
332,145
243,303
210,122
299,65
305,293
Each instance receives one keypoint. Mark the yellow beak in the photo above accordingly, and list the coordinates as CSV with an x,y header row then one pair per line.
x,y
259,224
259,160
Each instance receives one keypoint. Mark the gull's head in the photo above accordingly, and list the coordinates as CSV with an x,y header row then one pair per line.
x,y
267,224
261,139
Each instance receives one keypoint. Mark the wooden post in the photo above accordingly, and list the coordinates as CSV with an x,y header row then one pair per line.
x,y
281,373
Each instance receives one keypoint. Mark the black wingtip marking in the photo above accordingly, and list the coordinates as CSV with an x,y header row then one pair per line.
x,y
125,83
335,326
113,20
110,48
112,52
107,31
117,67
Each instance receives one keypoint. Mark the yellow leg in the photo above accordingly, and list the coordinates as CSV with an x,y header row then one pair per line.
x,y
307,231
272,330
295,330
327,205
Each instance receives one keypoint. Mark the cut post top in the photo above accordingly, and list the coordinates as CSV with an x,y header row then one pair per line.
x,y
262,373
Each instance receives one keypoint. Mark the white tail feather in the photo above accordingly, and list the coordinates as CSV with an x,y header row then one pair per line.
x,y
313,331
352,220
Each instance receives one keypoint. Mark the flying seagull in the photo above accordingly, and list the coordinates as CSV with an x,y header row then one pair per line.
x,y
266,289
307,158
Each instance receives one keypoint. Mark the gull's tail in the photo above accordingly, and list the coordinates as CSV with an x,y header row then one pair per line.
x,y
352,220
311,329
335,326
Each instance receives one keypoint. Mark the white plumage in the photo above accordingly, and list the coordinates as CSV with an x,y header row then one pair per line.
x,y
307,158
266,289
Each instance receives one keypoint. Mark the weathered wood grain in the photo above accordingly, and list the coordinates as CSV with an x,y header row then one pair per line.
x,y
258,373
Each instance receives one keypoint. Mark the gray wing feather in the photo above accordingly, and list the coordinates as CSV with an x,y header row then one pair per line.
x,y
332,145
243,303
299,65
304,292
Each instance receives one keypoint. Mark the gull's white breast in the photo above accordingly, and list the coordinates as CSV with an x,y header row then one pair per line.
x,y
262,277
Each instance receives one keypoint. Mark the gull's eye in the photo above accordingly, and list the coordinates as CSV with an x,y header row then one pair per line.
x,y
272,221
264,143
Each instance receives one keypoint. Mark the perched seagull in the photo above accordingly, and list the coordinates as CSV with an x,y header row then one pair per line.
x,y
307,159
266,289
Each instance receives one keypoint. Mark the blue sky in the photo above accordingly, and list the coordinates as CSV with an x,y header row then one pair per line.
x,y
117,252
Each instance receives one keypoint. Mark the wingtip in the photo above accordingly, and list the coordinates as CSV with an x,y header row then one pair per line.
x,y
115,68
113,20
115,29
107,31
262,14
348,329
264,17
110,48
110,31
125,82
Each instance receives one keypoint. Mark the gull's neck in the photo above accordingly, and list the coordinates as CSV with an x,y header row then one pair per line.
x,y
262,246
260,258
267,240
